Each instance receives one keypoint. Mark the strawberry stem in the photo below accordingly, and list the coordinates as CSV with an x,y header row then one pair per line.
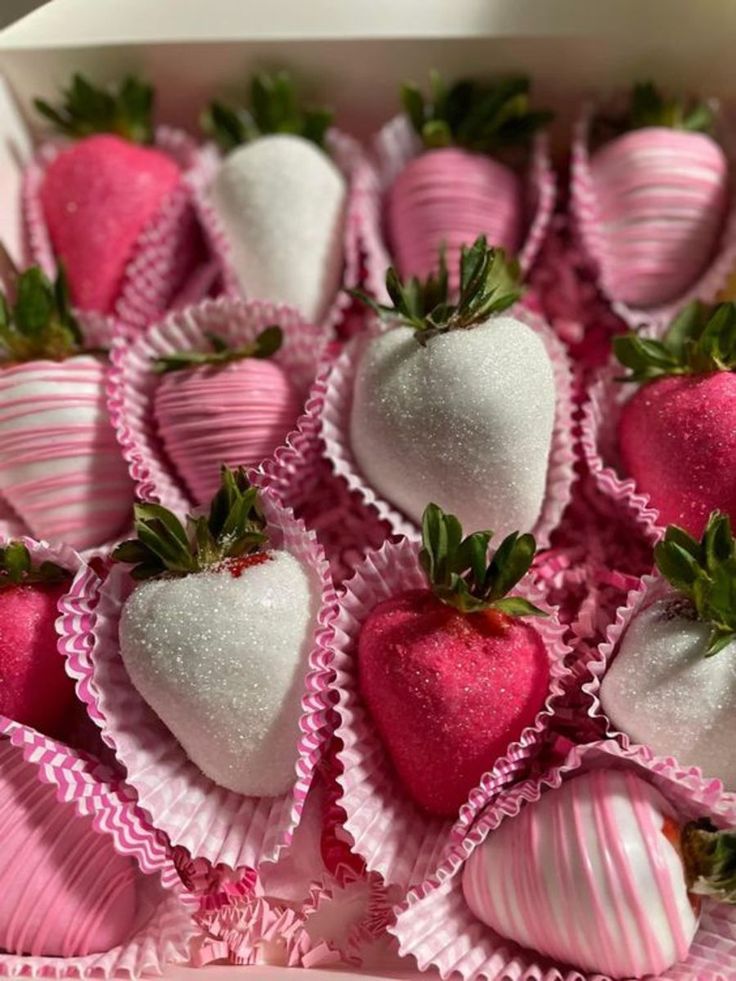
x,y
39,323
86,109
266,343
18,569
709,856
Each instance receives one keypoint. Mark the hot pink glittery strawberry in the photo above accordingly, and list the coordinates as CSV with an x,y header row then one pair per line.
x,y
100,192
677,433
451,675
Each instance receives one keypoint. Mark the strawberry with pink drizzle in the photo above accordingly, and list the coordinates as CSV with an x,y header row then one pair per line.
x,y
60,466
227,405
459,186
602,874
451,674
677,433
216,637
100,192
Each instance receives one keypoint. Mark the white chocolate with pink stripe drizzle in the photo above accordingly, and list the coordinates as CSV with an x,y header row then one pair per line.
x,y
587,877
60,466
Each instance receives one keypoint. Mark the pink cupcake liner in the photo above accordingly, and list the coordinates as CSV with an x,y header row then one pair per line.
x,y
435,926
335,419
390,833
166,250
132,384
584,207
394,146
348,155
209,821
165,925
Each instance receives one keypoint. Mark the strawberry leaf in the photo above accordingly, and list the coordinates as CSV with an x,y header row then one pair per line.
x,y
648,107
85,109
265,345
17,568
709,857
39,324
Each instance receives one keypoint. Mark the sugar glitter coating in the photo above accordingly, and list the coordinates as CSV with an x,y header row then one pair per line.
x,y
222,661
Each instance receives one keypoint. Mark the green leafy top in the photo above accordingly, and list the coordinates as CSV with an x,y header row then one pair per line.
x,y
17,568
266,343
489,283
705,572
701,339
648,107
478,116
274,108
458,570
85,109
234,527
709,856
39,323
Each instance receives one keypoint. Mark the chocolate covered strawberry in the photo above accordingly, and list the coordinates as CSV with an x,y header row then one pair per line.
x,y
660,194
601,874
461,184
455,402
216,637
677,433
101,191
227,405
672,684
279,197
452,674
34,687
60,466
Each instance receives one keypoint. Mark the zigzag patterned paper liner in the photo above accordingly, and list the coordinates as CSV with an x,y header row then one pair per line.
x,y
584,211
209,821
394,146
335,417
165,251
390,833
133,383
435,926
348,155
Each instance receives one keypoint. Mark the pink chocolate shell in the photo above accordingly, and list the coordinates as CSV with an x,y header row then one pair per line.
x,y
209,821
390,833
435,926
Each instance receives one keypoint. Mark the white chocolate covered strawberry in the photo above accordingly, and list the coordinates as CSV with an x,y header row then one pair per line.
x,y
279,198
216,637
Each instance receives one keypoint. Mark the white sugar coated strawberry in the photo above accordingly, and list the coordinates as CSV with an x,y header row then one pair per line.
x,y
463,417
280,200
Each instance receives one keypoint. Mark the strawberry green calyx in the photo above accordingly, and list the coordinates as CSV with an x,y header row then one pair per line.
x,y
709,856
234,527
476,116
489,284
86,109
458,570
648,107
274,108
700,340
39,323
17,568
267,343
705,572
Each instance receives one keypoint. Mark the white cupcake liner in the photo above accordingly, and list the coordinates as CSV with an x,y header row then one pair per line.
x,y
394,146
348,155
194,812
436,927
393,836
133,383
335,425
584,210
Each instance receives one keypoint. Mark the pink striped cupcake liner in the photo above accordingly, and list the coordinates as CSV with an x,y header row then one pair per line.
x,y
586,213
394,146
164,926
168,248
132,385
348,155
394,837
209,821
335,417
435,926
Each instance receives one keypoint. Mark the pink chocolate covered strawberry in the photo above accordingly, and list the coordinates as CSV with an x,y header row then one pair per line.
x,y
460,186
101,191
60,466
451,674
677,433
660,192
